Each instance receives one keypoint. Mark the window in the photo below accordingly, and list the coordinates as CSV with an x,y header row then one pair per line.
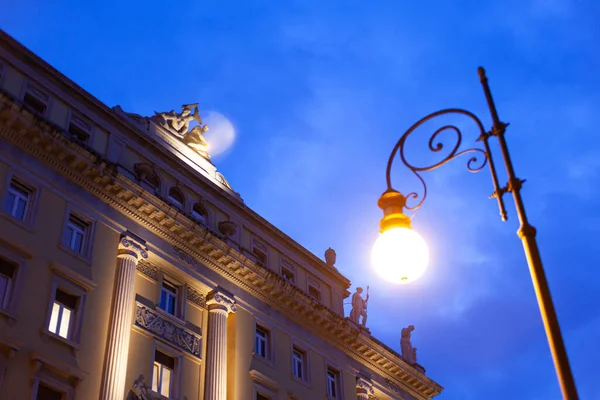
x,y
76,235
8,270
314,289
46,393
35,100
18,200
199,213
62,317
168,297
261,342
162,374
333,383
287,272
260,396
260,252
176,197
80,128
299,363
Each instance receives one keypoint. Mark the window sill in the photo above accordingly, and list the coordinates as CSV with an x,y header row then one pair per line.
x,y
86,259
47,334
158,396
11,318
301,381
264,360
26,224
169,316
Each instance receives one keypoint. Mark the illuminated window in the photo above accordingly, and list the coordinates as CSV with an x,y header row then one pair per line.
x,y
199,213
333,383
163,374
80,128
62,315
8,271
176,198
18,200
35,100
47,393
168,297
262,338
299,363
76,235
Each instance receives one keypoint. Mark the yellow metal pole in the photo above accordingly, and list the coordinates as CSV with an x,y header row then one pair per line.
x,y
527,235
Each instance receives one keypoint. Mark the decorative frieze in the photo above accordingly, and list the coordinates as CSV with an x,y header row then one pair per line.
x,y
182,338
186,258
196,297
149,270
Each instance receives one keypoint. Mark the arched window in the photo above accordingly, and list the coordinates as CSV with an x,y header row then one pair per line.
x,y
199,213
176,197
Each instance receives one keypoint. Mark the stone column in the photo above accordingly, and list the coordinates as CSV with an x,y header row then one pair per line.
x,y
119,329
364,388
219,306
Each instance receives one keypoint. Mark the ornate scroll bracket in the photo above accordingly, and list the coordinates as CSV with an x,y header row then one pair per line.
x,y
365,385
148,320
218,299
132,246
474,164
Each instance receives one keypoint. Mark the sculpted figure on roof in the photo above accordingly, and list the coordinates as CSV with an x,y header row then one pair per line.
x,y
179,125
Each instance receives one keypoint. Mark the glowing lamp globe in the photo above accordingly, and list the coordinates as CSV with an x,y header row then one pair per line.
x,y
400,255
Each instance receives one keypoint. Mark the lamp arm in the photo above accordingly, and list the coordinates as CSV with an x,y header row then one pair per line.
x,y
474,164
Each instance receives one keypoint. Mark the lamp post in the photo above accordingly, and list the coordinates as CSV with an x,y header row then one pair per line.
x,y
398,242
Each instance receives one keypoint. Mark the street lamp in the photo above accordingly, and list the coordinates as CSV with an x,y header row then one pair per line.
x,y
400,254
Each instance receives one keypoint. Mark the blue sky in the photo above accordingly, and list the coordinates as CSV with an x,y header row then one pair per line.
x,y
319,92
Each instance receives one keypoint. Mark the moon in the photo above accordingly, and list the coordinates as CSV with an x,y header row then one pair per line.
x,y
221,132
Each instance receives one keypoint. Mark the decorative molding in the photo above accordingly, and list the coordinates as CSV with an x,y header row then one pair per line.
x,y
88,169
194,296
149,270
365,384
180,337
132,247
259,377
185,257
217,297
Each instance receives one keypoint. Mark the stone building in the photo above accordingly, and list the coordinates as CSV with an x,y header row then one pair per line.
x,y
130,269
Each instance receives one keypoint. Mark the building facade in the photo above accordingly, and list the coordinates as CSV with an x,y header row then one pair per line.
x,y
130,269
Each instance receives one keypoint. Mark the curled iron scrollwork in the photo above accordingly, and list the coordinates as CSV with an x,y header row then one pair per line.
x,y
474,164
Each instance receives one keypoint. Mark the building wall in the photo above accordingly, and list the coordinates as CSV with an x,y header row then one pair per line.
x,y
30,353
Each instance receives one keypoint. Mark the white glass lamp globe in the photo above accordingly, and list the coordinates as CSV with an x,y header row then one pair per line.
x,y
400,255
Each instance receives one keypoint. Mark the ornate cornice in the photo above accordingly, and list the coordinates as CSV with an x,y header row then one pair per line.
x,y
90,171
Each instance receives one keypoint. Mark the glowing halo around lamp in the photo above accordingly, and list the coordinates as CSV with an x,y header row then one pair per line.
x,y
400,255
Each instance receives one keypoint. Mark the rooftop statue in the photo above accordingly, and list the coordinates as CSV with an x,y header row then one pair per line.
x,y
179,124
359,307
409,353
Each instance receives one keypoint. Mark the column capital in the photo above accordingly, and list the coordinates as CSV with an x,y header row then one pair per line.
x,y
219,299
364,385
130,246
